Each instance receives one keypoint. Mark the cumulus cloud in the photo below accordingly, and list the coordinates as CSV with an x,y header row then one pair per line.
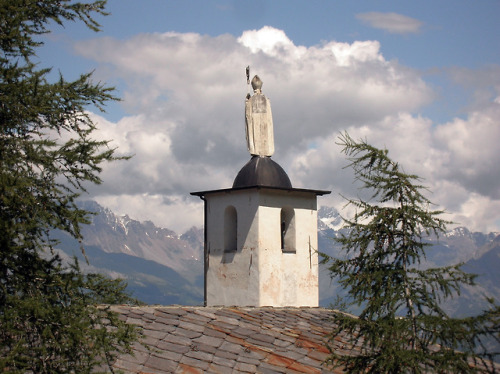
x,y
185,92
392,22
471,151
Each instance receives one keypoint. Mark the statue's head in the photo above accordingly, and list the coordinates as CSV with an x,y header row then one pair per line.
x,y
256,83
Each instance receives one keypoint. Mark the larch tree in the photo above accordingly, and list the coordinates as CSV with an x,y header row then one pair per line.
x,y
402,327
53,318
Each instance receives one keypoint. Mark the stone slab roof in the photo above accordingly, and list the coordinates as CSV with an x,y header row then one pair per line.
x,y
183,339
228,340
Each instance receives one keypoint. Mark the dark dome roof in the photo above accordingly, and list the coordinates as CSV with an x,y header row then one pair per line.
x,y
262,171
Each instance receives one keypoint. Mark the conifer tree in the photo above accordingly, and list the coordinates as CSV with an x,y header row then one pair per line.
x,y
402,327
52,316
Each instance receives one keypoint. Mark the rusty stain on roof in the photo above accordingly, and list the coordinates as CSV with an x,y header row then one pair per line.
x,y
181,339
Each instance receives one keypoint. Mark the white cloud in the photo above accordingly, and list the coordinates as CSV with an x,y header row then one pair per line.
x,y
268,40
391,22
459,162
346,54
472,153
185,95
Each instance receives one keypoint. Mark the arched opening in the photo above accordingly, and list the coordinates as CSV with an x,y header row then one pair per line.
x,y
288,230
230,229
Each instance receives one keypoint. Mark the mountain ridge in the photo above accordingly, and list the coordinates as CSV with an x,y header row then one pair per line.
x,y
180,257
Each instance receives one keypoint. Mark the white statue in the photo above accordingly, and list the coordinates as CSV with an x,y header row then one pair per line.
x,y
259,122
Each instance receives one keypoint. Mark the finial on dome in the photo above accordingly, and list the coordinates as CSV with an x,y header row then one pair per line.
x,y
257,83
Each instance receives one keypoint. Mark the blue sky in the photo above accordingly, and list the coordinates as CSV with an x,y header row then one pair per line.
x,y
420,78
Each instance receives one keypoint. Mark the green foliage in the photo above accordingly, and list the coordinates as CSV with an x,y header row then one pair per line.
x,y
57,320
50,318
402,327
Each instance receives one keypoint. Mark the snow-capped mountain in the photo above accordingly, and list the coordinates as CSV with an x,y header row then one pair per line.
x,y
121,234
329,219
162,267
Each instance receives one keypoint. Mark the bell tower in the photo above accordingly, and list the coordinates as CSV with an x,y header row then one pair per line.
x,y
261,236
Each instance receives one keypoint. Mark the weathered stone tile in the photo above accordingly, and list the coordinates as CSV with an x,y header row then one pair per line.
x,y
196,318
136,321
282,343
260,343
209,340
137,357
223,325
138,347
227,320
229,362
172,347
206,312
250,319
177,339
299,350
161,327
293,354
242,332
236,340
161,363
299,367
157,334
121,309
122,317
226,354
187,369
316,344
168,320
200,355
275,331
229,313
155,371
191,326
203,347
264,337
136,313
173,311
148,316
187,333
251,326
270,369
169,355
289,336
211,331
311,336
231,347
219,369
128,366
278,360
308,361
189,361
253,352
316,355
149,341
245,368
248,360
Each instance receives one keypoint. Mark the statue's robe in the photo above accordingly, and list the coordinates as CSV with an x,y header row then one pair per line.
x,y
259,125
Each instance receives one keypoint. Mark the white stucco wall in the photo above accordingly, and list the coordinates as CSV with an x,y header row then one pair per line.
x,y
288,279
259,273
